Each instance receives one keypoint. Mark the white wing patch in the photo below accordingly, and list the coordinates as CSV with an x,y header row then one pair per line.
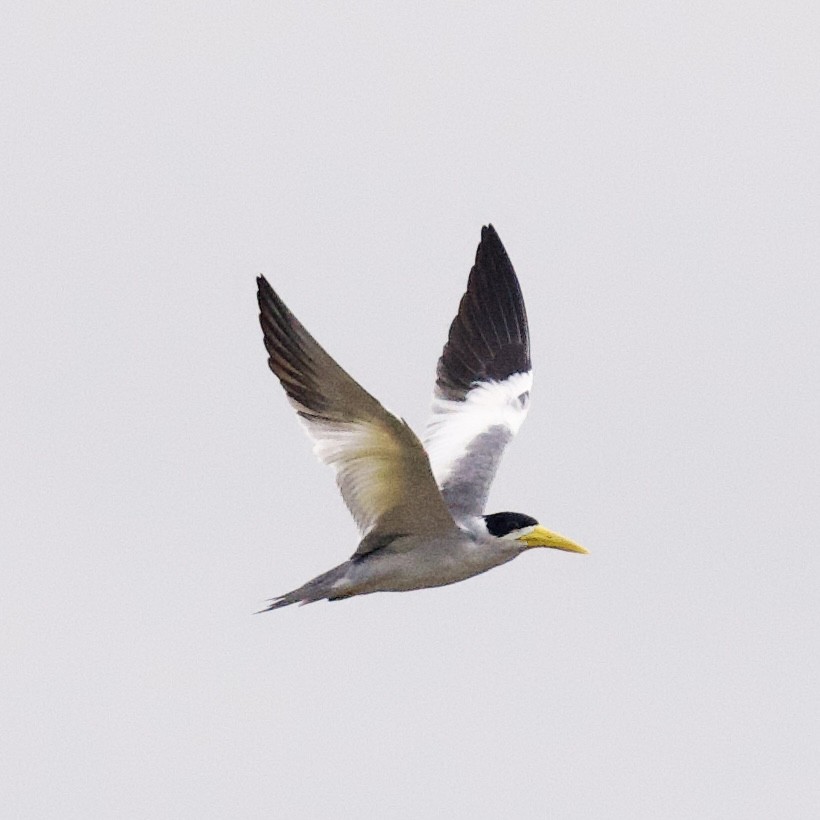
x,y
364,456
454,425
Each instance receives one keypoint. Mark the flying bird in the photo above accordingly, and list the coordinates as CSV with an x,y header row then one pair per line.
x,y
419,504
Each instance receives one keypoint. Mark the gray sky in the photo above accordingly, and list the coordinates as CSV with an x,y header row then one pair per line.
x,y
655,175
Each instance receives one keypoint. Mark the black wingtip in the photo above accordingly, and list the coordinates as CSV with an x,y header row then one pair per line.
x,y
489,338
490,235
491,247
262,285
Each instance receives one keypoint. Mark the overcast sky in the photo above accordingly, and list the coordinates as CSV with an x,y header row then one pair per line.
x,y
654,172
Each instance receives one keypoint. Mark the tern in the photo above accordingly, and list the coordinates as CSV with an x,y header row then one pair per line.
x,y
419,503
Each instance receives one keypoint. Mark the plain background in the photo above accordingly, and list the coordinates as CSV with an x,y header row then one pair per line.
x,y
653,169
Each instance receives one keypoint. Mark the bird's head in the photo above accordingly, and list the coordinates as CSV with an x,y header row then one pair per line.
x,y
525,530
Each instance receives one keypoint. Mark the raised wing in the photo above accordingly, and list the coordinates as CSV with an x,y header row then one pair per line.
x,y
483,382
381,467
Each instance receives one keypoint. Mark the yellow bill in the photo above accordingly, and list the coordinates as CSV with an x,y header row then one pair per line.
x,y
539,536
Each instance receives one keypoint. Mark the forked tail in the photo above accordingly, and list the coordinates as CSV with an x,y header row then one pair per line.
x,y
322,586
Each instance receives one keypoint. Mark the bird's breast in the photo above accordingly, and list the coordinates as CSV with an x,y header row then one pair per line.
x,y
416,563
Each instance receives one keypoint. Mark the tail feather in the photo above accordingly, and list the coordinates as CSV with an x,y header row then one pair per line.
x,y
322,586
